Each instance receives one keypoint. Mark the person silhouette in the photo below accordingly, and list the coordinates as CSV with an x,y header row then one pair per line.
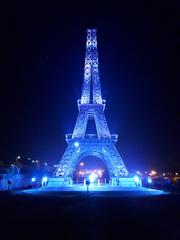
x,y
87,184
9,185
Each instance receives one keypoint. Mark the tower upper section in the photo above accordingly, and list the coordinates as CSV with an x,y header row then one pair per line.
x,y
91,71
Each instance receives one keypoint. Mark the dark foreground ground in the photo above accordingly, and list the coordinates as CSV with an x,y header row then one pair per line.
x,y
78,215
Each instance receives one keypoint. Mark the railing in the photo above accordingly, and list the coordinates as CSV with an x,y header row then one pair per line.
x,y
90,102
93,136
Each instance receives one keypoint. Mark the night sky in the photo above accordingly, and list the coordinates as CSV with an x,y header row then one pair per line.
x,y
42,55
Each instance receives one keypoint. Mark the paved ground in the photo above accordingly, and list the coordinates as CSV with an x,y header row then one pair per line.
x,y
97,215
141,191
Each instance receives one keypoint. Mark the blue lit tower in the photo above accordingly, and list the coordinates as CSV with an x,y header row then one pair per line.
x,y
102,144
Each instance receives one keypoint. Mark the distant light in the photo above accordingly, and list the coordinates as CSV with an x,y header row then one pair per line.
x,y
37,161
153,172
82,164
33,179
176,173
76,144
18,157
164,174
45,164
32,160
149,180
92,177
136,179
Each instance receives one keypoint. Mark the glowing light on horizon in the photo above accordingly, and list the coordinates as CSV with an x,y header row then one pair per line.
x,y
152,173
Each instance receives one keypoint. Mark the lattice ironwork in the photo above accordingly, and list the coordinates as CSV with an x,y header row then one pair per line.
x,y
101,144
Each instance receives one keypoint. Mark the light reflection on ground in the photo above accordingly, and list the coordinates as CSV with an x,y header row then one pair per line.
x,y
99,191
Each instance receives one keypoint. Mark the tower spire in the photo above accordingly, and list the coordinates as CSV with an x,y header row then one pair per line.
x,y
91,71
97,97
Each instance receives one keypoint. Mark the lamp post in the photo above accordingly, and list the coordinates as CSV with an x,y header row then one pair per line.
x,y
17,163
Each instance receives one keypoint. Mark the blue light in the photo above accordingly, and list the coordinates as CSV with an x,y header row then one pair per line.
x,y
33,179
76,144
149,180
136,179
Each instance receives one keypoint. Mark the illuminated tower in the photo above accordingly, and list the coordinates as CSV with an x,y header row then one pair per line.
x,y
102,144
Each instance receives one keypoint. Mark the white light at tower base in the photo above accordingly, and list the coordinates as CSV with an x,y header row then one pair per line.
x,y
92,177
76,144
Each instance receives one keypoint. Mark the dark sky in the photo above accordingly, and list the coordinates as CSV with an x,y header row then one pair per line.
x,y
42,54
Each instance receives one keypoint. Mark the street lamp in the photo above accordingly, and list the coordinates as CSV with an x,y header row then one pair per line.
x,y
17,164
76,144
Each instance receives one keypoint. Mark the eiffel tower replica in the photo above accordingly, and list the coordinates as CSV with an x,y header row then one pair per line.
x,y
102,144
